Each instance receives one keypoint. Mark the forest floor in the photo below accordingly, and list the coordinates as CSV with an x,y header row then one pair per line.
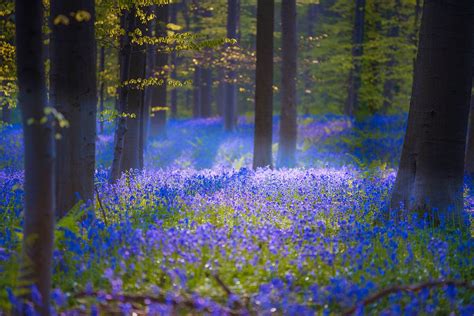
x,y
199,231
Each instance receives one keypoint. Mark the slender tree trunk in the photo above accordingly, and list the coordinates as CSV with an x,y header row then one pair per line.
x,y
352,100
102,86
39,201
288,118
220,95
74,94
390,82
124,61
150,66
6,113
132,155
312,19
230,108
174,64
159,94
206,92
430,176
262,156
197,92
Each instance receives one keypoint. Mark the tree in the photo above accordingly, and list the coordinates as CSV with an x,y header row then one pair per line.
x,y
174,62
124,61
390,82
288,118
159,92
74,94
39,202
102,86
132,155
469,157
206,92
230,105
352,100
430,175
262,152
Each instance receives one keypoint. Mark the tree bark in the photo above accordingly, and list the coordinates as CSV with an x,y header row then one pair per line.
x,y
174,64
230,107
6,113
352,101
197,92
124,61
74,94
390,82
159,93
39,201
262,156
206,92
430,175
288,117
102,86
220,95
132,155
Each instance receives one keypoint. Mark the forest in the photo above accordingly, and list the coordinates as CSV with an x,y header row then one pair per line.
x,y
236,157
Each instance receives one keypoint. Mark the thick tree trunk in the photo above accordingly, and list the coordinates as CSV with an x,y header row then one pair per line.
x,y
102,86
230,107
132,155
352,100
124,61
390,82
39,202
206,92
430,175
159,93
197,92
74,93
288,117
469,157
262,152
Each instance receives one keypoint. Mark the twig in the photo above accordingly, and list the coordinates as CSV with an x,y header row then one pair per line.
x,y
101,206
407,288
226,289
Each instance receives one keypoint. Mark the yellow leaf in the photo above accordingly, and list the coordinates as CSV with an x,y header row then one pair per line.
x,y
61,19
82,16
173,27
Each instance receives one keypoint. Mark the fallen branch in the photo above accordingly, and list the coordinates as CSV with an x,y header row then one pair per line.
x,y
407,288
161,299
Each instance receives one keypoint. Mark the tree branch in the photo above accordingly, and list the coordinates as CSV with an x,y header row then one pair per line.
x,y
407,288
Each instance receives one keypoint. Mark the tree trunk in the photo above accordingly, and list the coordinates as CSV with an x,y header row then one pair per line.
x,y
174,64
159,93
352,101
220,95
390,82
124,61
469,158
6,113
197,92
430,175
206,92
132,155
288,117
230,107
39,201
74,94
102,85
262,156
